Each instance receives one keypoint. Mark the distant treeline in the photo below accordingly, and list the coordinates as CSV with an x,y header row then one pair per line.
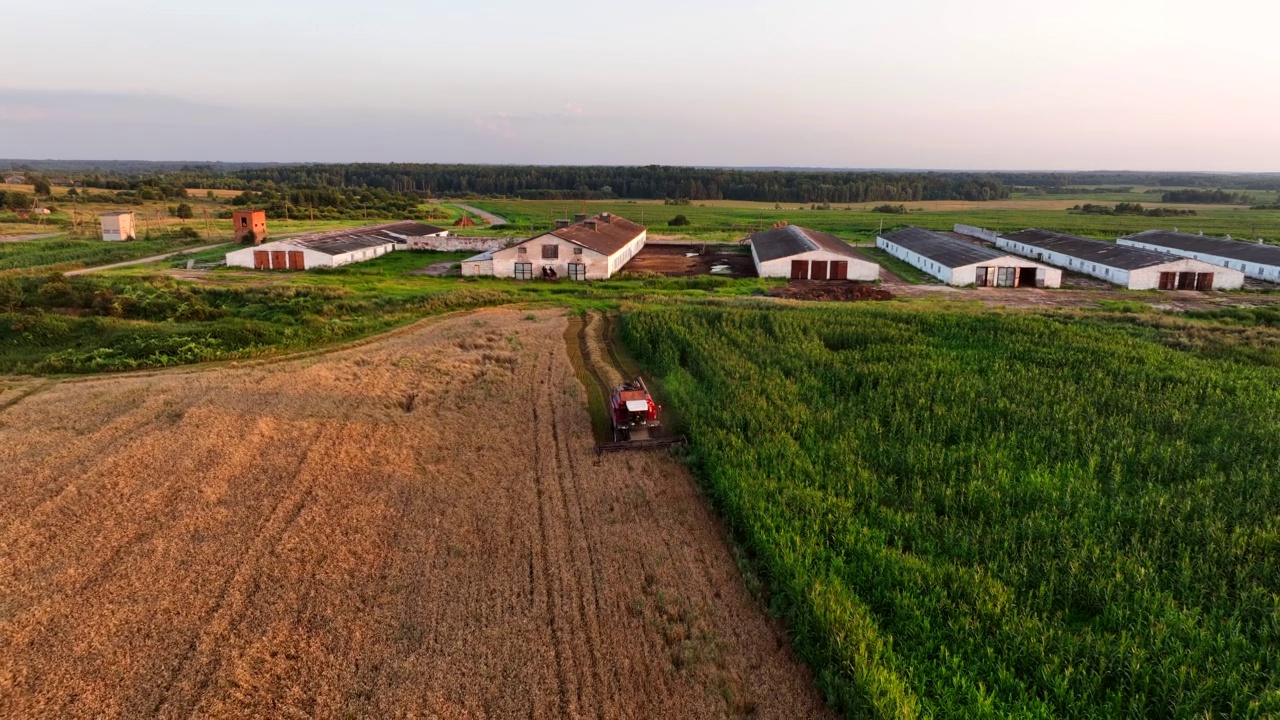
x,y
1130,209
649,182
1207,197
1079,190
1241,181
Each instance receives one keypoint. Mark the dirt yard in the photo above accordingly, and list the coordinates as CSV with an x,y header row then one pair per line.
x,y
672,259
418,526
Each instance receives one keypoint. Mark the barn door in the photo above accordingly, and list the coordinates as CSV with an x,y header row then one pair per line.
x,y
1168,281
1187,281
296,261
278,259
799,269
839,270
1204,281
818,270
261,260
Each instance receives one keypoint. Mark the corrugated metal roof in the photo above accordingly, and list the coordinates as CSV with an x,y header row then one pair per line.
x,y
339,242
791,240
1110,254
605,233
1222,247
946,251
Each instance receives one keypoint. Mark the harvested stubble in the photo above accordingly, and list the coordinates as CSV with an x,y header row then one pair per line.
x,y
294,539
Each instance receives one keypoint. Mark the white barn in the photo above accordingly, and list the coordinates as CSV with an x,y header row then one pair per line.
x,y
593,248
332,249
1255,260
1131,267
117,226
962,263
799,253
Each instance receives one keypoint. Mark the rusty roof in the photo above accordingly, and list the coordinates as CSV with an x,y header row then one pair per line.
x,y
605,233
791,240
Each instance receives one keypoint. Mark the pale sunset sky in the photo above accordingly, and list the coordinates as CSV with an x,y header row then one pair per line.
x,y
987,84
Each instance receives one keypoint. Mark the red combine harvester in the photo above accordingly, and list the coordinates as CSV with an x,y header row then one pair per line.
x,y
636,419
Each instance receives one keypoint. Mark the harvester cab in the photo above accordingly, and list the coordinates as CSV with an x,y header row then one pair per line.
x,y
636,419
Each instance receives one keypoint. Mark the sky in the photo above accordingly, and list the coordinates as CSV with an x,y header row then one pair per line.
x,y
926,84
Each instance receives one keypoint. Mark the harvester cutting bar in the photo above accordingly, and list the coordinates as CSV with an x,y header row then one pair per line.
x,y
640,444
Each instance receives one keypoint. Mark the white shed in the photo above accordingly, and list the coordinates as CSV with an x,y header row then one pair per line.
x,y
117,226
478,265
1253,259
799,253
591,249
962,263
1131,267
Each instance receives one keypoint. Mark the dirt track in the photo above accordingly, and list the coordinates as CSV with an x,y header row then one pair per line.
x,y
415,527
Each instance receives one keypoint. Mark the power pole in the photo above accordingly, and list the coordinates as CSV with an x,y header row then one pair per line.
x,y
206,223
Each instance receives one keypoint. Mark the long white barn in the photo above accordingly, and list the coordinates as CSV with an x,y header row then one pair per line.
x,y
957,262
1131,267
1255,260
332,249
594,248
799,253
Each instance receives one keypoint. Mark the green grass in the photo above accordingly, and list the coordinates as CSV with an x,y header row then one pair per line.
x,y
904,270
65,254
984,514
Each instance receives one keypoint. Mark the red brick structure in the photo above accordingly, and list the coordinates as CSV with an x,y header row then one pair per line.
x,y
244,222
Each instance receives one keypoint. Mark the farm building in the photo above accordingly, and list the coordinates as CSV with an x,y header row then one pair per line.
x,y
244,222
117,226
15,180
41,211
1255,260
958,262
798,253
332,249
478,265
593,248
1131,267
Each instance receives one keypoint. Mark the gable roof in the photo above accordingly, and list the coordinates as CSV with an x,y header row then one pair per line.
x,y
1124,257
604,233
791,240
943,249
344,241
1222,247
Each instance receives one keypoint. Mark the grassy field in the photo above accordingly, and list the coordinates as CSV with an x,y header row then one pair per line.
x,y
994,515
732,221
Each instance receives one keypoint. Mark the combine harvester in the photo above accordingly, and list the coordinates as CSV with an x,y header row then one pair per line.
x,y
636,420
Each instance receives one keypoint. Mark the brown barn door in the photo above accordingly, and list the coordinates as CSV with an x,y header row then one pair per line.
x,y
1187,281
818,270
1168,281
296,260
278,259
262,260
1204,281
799,269
839,270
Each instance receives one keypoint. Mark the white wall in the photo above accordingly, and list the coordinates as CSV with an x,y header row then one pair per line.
x,y
117,227
452,243
977,232
1142,279
310,258
860,270
1270,273
919,261
1103,272
504,261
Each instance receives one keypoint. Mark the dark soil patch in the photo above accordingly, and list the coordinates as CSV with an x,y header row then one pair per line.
x,y
690,259
832,290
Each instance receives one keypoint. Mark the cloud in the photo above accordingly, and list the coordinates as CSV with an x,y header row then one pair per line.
x,y
499,125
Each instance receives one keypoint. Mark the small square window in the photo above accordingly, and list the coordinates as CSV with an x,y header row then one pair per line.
x,y
522,251
550,252
577,251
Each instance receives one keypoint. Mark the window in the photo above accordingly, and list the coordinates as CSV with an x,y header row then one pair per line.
x,y
522,250
244,222
577,271
550,252
524,270
577,251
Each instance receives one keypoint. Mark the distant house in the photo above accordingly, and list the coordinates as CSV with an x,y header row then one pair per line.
x,y
41,211
15,180
1255,260
958,262
799,253
594,248
332,249
1131,267
117,226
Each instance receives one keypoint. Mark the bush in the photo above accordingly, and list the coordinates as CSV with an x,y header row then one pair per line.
x,y
183,211
891,209
678,221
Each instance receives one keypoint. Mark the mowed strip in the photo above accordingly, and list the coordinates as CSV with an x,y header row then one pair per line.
x,y
419,526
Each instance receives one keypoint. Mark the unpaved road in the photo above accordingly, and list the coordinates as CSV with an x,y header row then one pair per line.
x,y
24,238
488,216
418,526
141,261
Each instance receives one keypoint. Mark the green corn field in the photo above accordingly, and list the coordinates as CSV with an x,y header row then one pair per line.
x,y
965,514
